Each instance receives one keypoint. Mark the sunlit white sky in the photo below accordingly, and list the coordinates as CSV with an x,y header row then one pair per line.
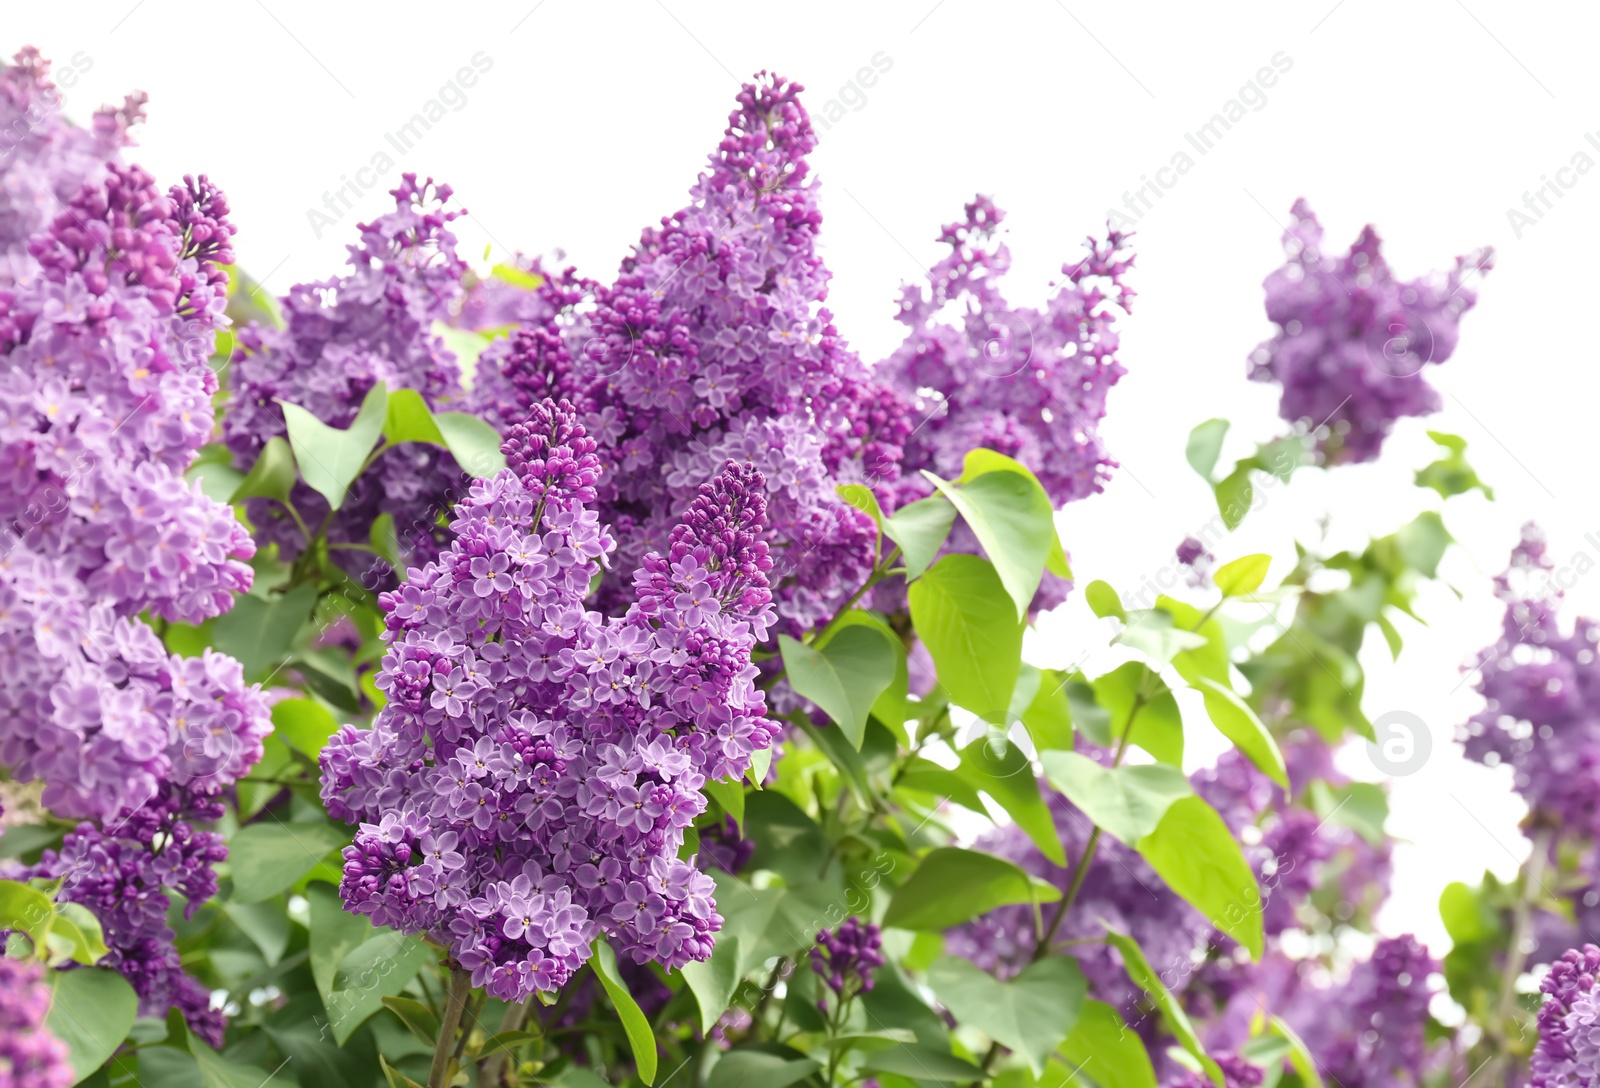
x,y
1429,119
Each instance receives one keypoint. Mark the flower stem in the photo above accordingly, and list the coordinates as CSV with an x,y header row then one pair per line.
x,y
460,988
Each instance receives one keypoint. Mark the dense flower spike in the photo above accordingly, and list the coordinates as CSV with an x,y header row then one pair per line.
x,y
44,158
342,336
535,361
528,784
1540,688
30,1057
847,956
1568,1054
1370,1032
1353,340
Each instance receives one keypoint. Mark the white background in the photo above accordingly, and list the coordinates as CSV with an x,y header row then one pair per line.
x,y
1428,118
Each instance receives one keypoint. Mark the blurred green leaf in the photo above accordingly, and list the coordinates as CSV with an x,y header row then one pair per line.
x,y
1031,1013
952,886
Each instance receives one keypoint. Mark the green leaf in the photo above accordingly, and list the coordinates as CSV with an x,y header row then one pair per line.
x,y
964,617
714,981
730,795
952,886
271,477
1129,802
382,965
1102,1047
1145,976
417,1017
1031,1014
1011,516
267,924
219,480
640,1038
1103,600
394,1078
1235,494
92,1009
1242,576
747,1066
1141,705
1153,632
260,631
507,1040
219,1072
1467,918
465,344
890,707
1300,1058
926,776
409,419
864,500
384,540
26,909
1451,474
77,932
517,277
845,677
920,528
1048,716
268,858
922,1063
1210,660
1193,851
1423,541
1205,446
304,725
1235,720
331,459
1363,807
1001,770
1090,718
473,443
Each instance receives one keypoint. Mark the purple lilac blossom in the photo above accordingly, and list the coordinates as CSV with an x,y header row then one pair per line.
x,y
30,1056
527,786
1540,688
1194,555
1353,340
1236,1073
714,344
105,401
1568,1053
1371,1031
847,956
341,337
44,158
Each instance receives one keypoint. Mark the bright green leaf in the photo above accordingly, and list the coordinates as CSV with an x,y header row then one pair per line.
x,y
748,1067
1235,720
1129,802
640,1038
271,477
920,528
304,725
845,677
1103,600
473,443
1299,1055
409,419
79,934
1000,769
964,617
1142,706
1144,976
260,631
714,981
922,1063
1105,1050
1048,716
1011,516
1205,446
268,858
1243,575
1194,852
92,1010
1153,633
330,459
26,909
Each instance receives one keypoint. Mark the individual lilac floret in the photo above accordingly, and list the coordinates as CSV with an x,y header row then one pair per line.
x,y
341,337
30,1056
1541,690
847,956
1568,1053
1353,340
527,786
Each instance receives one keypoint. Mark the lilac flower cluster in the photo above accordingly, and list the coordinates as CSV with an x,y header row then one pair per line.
x,y
44,158
527,786
537,360
1027,383
342,336
1194,555
1353,340
30,1057
1568,1054
847,956
1371,1031
1540,688
1236,1073
105,401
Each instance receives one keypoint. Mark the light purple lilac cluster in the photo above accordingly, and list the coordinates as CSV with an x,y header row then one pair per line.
x,y
1540,688
44,158
30,1056
847,955
1568,1054
1371,1032
107,322
537,360
527,786
342,336
1353,340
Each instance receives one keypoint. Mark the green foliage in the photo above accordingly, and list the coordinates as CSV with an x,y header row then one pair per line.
x,y
965,618
1031,1013
952,886
640,1037
1451,474
91,1011
845,677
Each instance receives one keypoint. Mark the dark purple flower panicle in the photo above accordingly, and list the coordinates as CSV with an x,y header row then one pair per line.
x,y
847,956
1568,1054
1353,340
528,784
341,337
30,1057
